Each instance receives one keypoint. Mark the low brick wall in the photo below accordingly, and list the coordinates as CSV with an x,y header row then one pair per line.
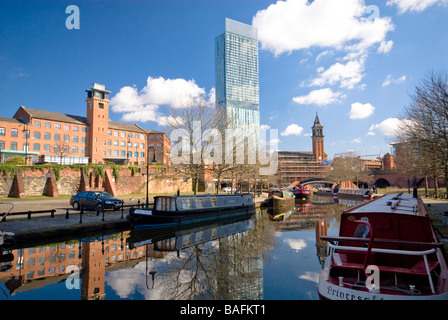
x,y
43,182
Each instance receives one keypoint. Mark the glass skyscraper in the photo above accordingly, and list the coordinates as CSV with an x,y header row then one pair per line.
x,y
236,64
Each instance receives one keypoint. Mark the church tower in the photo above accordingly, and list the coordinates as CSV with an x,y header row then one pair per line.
x,y
98,122
318,140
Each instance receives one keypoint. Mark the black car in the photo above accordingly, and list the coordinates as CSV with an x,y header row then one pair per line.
x,y
95,200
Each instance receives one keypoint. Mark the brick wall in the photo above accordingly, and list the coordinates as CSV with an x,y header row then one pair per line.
x,y
37,182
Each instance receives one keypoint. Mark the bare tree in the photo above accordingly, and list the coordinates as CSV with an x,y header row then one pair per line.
x,y
426,126
348,168
194,132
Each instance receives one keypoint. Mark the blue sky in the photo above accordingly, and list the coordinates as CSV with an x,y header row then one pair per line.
x,y
354,62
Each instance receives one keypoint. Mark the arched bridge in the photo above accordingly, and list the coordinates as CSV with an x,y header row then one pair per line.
x,y
319,181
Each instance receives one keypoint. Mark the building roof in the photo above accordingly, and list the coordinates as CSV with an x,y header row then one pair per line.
x,y
12,120
62,117
295,153
125,127
55,116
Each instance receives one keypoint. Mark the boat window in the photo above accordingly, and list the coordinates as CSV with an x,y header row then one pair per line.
x,y
213,202
186,203
199,202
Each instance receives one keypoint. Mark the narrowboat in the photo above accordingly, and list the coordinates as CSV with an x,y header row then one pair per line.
x,y
353,193
174,210
302,191
386,250
279,199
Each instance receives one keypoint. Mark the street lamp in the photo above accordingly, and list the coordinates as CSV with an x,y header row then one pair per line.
x,y
147,172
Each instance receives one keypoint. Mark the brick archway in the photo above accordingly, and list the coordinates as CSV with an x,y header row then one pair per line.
x,y
382,183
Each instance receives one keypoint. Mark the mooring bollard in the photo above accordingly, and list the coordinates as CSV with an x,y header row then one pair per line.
x,y
122,208
66,214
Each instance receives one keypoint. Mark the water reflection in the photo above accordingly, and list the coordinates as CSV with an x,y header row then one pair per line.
x,y
273,255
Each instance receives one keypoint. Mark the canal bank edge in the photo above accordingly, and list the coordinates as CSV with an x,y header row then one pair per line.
x,y
438,214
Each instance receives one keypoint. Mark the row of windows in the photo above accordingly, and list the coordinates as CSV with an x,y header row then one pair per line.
x,y
36,134
36,146
123,135
58,126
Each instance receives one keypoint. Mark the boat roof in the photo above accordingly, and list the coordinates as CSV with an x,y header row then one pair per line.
x,y
401,203
202,195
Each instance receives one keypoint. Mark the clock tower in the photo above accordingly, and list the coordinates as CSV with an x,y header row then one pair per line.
x,y
318,140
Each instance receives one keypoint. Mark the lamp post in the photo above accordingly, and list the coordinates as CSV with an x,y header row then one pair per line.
x,y
26,132
147,172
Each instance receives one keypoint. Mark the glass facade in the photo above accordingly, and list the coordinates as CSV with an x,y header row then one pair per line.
x,y
236,64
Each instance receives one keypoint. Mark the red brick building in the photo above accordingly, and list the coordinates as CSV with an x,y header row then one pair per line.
x,y
52,137
294,166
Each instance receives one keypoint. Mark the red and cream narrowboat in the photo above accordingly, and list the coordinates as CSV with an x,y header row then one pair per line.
x,y
386,249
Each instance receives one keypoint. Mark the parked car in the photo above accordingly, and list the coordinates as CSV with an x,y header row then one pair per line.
x,y
95,200
229,189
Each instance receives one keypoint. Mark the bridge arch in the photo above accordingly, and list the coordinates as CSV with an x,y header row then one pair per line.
x,y
382,183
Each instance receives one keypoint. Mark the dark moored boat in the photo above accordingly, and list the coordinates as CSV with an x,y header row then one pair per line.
x,y
173,210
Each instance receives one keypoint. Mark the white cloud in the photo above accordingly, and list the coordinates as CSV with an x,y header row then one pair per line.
x,y
142,105
414,5
347,75
296,244
310,276
361,111
292,129
385,46
319,97
291,25
265,127
356,140
388,126
169,121
390,80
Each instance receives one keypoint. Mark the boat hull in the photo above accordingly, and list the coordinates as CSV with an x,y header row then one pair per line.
x,y
328,289
278,202
303,194
140,218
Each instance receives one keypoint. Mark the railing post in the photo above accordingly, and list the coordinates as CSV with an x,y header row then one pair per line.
x,y
102,209
66,213
52,213
29,215
81,213
122,208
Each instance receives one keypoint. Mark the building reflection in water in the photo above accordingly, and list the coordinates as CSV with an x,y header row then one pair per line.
x,y
25,269
222,261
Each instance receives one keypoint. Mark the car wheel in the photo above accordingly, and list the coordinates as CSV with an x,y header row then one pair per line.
x,y
75,205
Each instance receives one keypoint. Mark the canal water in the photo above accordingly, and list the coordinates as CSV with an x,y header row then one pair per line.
x,y
272,256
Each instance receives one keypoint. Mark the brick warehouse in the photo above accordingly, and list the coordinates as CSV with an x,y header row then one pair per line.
x,y
51,137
